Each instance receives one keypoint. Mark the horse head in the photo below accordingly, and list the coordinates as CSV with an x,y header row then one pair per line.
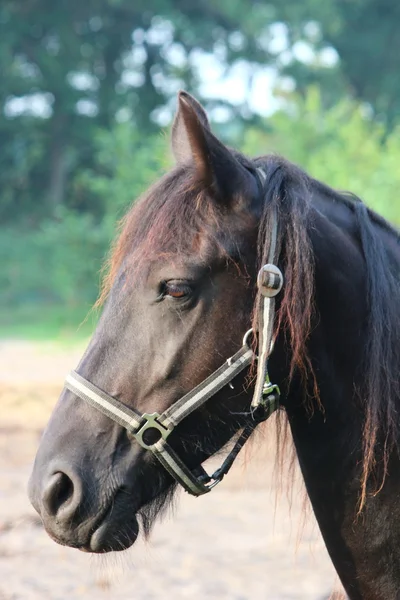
x,y
180,296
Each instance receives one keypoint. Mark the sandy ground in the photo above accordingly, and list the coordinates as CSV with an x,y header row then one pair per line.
x,y
244,541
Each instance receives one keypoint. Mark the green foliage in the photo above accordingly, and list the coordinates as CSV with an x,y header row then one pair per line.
x,y
52,269
341,147
58,262
364,36
124,165
71,167
48,322
86,65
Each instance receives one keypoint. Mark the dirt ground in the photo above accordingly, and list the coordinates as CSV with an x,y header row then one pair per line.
x,y
242,542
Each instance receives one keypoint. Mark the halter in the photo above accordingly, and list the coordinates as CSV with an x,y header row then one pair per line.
x,y
151,430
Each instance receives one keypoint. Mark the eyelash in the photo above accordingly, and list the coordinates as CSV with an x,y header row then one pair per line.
x,y
176,290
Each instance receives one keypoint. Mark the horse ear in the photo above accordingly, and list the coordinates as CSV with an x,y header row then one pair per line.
x,y
216,166
189,117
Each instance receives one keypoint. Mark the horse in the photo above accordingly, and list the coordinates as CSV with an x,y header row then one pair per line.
x,y
222,248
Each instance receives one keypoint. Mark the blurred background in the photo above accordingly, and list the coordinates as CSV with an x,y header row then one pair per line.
x,y
87,94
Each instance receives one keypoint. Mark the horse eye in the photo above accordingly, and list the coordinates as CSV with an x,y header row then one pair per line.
x,y
177,290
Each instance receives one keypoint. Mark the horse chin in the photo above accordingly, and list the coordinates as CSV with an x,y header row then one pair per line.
x,y
110,537
116,530
119,528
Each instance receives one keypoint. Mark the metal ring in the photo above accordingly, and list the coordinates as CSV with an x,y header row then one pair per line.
x,y
150,422
246,337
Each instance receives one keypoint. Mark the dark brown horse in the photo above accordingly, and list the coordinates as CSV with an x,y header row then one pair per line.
x,y
180,295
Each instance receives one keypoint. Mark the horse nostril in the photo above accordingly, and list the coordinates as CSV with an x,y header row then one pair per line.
x,y
58,493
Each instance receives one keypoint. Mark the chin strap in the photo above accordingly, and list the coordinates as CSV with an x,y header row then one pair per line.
x,y
151,430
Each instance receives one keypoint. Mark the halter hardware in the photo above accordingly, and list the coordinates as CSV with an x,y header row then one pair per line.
x,y
270,280
151,424
151,430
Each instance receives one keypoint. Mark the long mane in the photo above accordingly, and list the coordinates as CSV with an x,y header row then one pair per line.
x,y
382,352
177,208
290,189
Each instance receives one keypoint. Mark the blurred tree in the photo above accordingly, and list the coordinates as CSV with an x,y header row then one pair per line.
x,y
59,261
364,36
72,68
339,146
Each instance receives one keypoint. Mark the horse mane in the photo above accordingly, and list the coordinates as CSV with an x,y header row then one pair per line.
x,y
177,208
382,351
289,189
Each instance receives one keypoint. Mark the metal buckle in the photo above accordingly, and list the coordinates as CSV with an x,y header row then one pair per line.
x,y
270,388
270,397
209,481
212,485
150,422
269,280
212,480
268,403
207,486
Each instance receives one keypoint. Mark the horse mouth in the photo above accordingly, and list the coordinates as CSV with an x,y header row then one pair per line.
x,y
115,531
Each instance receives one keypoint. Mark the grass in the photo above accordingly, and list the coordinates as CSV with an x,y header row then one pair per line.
x,y
66,325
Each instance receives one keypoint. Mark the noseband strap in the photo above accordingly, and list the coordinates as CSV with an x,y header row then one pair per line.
x,y
151,430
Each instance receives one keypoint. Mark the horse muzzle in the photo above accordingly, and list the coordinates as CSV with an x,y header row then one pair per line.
x,y
72,517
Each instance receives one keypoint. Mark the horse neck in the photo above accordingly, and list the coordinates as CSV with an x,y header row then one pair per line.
x,y
329,443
